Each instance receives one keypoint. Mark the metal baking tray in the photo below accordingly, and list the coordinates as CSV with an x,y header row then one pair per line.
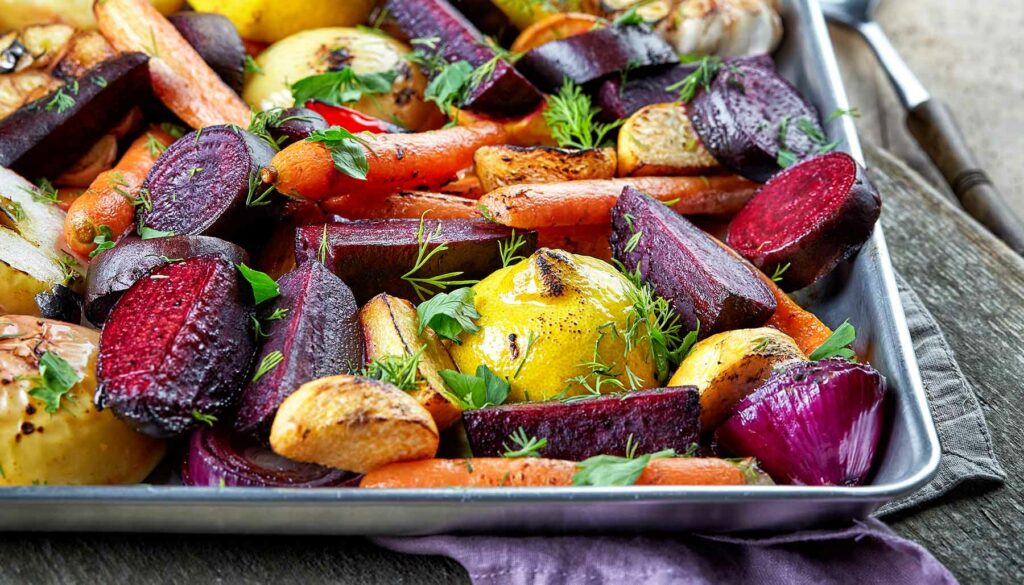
x,y
863,291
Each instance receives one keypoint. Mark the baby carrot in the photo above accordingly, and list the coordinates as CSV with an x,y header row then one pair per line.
x,y
790,318
109,200
691,471
590,202
405,205
397,162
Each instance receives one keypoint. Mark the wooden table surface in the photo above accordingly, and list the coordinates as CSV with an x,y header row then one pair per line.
x,y
968,54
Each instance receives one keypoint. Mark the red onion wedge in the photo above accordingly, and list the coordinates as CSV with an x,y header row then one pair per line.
x,y
811,423
217,457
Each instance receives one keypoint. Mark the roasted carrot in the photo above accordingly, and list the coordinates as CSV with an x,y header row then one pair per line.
x,y
590,202
68,195
535,472
405,205
109,200
397,162
180,77
588,240
790,318
466,185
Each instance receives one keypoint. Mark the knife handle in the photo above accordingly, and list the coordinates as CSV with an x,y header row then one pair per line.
x,y
937,132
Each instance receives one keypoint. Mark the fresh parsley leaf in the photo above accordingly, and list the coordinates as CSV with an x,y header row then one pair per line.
x,y
475,392
61,101
104,240
402,371
528,446
55,380
342,87
630,17
207,419
570,115
268,363
447,87
347,151
611,470
838,344
263,287
148,233
449,314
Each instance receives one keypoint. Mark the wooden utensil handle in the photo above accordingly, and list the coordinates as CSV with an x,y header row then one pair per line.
x,y
937,132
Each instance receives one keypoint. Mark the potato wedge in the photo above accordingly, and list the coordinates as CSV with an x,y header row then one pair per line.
x,y
352,423
76,443
390,326
498,166
658,140
728,366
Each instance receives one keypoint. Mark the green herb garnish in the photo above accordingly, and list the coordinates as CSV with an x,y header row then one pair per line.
x,y
422,284
55,380
104,240
206,419
507,249
263,287
570,115
347,150
402,371
321,253
269,362
527,446
61,101
838,344
148,233
779,271
45,192
702,77
611,470
251,66
156,148
449,314
342,87
475,392
448,85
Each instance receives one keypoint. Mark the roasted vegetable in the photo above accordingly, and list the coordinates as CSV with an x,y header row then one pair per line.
x,y
217,42
208,182
179,76
705,284
286,126
555,27
727,28
333,51
590,202
38,46
85,50
31,260
592,55
391,329
620,97
750,118
501,90
396,162
352,423
816,423
101,157
404,205
47,371
107,208
176,348
808,219
587,240
659,140
405,258
116,270
218,458
350,119
46,136
312,331
269,21
499,166
77,13
649,420
728,366
556,325
60,304
486,17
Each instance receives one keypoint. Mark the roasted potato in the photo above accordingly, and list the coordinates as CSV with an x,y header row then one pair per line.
x,y
728,366
659,140
76,443
554,325
498,166
18,89
31,260
77,13
268,21
390,326
352,423
313,52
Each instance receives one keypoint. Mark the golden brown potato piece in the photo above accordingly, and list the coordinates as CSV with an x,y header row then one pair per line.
x,y
728,366
85,50
498,166
390,326
658,140
17,89
352,423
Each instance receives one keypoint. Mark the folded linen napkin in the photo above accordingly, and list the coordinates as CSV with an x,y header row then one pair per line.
x,y
866,552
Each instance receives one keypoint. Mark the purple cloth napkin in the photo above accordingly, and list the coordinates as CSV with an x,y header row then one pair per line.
x,y
818,557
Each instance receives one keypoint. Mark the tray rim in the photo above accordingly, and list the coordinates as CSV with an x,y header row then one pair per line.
x,y
818,36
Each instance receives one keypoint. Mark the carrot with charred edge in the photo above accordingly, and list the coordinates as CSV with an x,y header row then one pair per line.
x,y
405,205
397,162
590,202
180,77
110,199
537,472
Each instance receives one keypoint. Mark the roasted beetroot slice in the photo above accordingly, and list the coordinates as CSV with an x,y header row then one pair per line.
x,y
217,42
810,217
116,270
373,255
503,93
489,19
749,114
592,55
619,100
208,183
318,336
177,344
659,419
704,282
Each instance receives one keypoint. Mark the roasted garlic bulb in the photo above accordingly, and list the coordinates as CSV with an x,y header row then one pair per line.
x,y
728,28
